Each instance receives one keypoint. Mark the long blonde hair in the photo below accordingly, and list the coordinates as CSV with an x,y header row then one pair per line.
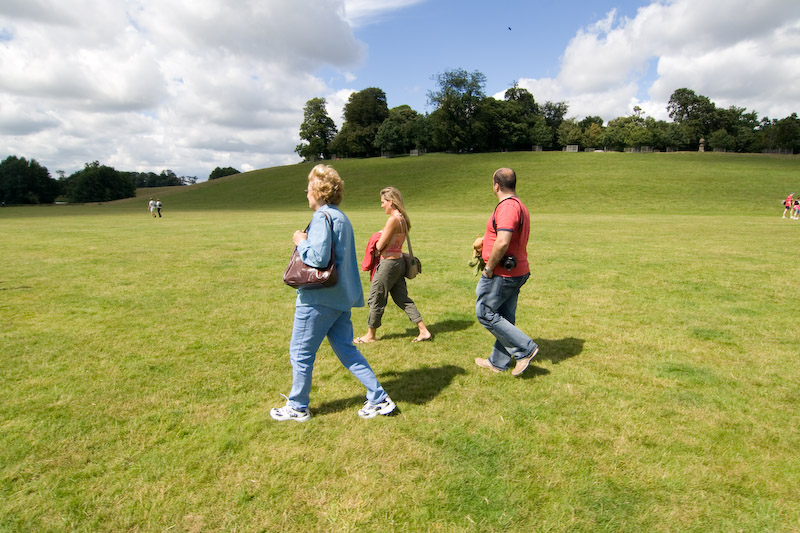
x,y
394,196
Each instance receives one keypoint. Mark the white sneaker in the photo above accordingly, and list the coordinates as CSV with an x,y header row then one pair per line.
x,y
287,412
371,410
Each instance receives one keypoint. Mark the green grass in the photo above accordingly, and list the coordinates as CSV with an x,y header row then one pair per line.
x,y
140,358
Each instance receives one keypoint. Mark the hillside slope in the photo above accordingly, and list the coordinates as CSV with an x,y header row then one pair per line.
x,y
553,182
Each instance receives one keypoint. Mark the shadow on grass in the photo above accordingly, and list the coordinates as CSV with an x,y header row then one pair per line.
x,y
445,326
418,387
554,351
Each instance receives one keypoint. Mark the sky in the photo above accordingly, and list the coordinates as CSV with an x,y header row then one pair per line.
x,y
189,85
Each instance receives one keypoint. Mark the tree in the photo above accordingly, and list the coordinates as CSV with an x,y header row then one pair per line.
x,y
497,125
554,113
399,132
569,132
167,178
524,118
787,135
588,121
317,129
524,100
98,183
456,102
694,111
721,140
26,182
364,113
593,135
541,133
222,172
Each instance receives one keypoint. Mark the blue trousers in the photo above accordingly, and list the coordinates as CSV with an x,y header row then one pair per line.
x,y
312,323
496,309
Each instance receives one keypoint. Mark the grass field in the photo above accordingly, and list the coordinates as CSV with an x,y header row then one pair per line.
x,y
140,357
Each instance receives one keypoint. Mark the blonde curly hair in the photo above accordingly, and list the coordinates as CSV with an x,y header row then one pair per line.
x,y
326,184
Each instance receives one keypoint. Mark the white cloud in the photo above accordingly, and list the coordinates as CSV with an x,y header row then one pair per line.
x,y
736,52
154,84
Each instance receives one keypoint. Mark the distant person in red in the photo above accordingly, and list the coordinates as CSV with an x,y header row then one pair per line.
x,y
788,204
796,210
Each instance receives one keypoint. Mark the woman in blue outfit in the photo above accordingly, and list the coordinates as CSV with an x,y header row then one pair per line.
x,y
325,312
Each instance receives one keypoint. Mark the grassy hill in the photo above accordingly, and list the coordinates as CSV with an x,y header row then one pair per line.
x,y
553,182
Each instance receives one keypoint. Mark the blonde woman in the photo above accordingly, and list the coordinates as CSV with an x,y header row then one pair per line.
x,y
388,278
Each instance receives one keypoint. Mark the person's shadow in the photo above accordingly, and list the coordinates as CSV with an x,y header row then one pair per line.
x,y
417,386
445,326
554,351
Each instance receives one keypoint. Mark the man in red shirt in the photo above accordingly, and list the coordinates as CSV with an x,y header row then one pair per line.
x,y
505,245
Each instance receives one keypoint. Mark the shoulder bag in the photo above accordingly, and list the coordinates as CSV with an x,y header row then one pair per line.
x,y
301,276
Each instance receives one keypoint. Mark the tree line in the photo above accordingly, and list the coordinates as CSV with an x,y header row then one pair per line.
x,y
28,182
465,120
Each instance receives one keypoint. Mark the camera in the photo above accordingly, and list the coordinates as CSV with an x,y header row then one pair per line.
x,y
509,262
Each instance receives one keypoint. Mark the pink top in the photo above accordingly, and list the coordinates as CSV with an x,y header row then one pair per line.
x,y
395,247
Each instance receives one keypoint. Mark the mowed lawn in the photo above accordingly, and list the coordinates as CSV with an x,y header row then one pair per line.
x,y
140,358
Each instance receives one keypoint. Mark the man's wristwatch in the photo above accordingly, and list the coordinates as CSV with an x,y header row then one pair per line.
x,y
487,271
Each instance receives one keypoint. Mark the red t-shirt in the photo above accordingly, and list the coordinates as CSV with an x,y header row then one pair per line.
x,y
510,215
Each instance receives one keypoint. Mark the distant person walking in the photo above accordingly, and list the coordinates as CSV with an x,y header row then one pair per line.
x,y
158,207
326,312
788,204
504,249
796,210
151,205
389,274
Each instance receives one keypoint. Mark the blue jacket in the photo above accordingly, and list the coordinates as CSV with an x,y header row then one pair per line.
x,y
316,251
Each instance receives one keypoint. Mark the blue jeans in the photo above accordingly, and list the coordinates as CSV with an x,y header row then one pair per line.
x,y
312,323
496,309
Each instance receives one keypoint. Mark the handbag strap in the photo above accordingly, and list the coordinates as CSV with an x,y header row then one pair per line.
x,y
330,222
408,236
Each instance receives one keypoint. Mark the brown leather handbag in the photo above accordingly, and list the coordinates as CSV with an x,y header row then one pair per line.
x,y
301,276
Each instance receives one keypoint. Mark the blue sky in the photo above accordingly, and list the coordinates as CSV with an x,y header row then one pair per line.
x,y
149,85
408,47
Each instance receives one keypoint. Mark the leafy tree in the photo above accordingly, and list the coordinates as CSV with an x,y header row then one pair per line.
x,y
588,121
523,116
696,112
222,172
740,127
364,113
99,183
399,132
502,125
787,135
26,182
317,129
423,136
167,178
541,133
721,140
554,113
456,102
592,135
569,132
524,100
